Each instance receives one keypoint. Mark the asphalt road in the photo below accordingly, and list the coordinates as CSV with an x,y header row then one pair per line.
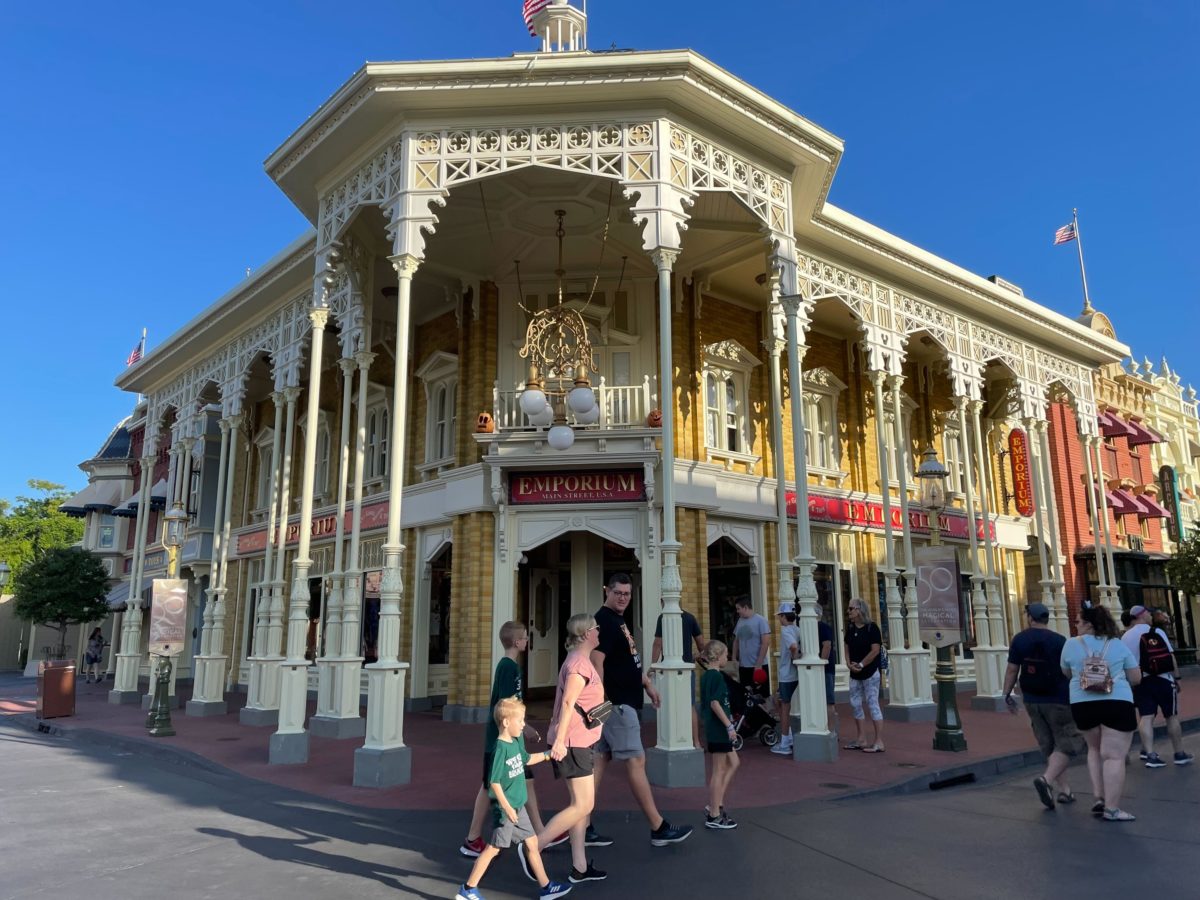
x,y
82,819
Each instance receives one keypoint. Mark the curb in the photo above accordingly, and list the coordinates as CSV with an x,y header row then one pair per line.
x,y
991,767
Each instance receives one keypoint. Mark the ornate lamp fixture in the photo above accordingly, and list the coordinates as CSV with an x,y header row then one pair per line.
x,y
560,358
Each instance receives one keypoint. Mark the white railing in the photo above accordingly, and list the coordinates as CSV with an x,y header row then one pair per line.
x,y
621,406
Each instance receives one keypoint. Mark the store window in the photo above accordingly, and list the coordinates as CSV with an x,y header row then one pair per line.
x,y
821,391
728,582
266,468
439,608
378,431
321,469
439,373
727,369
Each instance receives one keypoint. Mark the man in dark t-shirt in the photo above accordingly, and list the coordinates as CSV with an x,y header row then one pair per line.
x,y
691,635
1034,662
619,663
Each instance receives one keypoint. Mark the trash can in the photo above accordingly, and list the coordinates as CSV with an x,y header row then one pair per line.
x,y
55,689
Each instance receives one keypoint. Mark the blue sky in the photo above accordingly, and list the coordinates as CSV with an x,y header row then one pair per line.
x,y
134,134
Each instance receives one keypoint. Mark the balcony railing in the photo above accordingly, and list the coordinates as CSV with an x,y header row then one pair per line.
x,y
621,406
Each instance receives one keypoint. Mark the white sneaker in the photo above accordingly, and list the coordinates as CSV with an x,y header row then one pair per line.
x,y
782,749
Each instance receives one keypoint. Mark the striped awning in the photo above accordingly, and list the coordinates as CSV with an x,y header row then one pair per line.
x,y
1143,434
119,596
1122,502
1150,508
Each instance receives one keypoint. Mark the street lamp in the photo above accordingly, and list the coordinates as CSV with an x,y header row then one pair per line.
x,y
158,722
949,735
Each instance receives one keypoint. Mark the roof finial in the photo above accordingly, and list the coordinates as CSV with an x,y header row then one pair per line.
x,y
561,27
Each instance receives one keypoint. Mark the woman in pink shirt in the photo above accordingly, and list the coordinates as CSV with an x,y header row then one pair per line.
x,y
571,741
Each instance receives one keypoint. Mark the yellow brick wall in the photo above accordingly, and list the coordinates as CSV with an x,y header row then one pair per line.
x,y
691,527
477,364
471,620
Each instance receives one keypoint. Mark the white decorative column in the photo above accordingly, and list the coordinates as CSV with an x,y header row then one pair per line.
x,y
383,760
900,688
775,346
984,688
1109,591
907,654
208,691
811,738
673,761
995,654
337,707
262,692
1054,594
129,660
289,743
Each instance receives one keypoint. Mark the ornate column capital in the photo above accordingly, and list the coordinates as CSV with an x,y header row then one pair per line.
x,y
291,393
364,359
319,316
879,377
405,264
664,258
347,365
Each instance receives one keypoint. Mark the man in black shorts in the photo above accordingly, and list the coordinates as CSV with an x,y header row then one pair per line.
x,y
617,660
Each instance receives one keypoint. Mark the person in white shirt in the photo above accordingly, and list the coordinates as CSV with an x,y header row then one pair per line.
x,y
1158,690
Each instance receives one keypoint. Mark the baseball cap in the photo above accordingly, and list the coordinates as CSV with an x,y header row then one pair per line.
x,y
785,608
1135,611
1038,612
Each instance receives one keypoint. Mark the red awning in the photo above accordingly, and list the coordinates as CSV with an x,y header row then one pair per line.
x,y
1112,425
1150,508
1122,502
1143,435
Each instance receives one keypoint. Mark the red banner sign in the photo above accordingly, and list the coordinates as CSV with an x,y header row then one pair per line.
x,y
576,487
847,511
374,515
1018,457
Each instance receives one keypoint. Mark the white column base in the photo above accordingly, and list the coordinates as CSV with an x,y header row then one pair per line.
x,y
125,684
383,760
339,696
812,746
990,663
289,744
812,740
674,761
262,701
915,702
208,693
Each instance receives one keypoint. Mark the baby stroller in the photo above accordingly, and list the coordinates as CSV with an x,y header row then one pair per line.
x,y
751,717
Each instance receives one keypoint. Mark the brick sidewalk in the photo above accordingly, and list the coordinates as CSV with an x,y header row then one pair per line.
x,y
446,756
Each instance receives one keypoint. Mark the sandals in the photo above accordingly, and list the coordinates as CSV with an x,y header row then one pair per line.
x,y
853,745
1045,792
1098,808
876,748
1118,815
1066,797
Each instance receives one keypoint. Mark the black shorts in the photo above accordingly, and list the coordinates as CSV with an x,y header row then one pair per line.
x,y
578,763
1155,693
1115,714
720,747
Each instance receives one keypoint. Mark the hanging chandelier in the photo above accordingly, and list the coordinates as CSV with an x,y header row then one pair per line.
x,y
560,360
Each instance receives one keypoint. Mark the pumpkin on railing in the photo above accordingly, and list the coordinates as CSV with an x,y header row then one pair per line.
x,y
485,424
654,418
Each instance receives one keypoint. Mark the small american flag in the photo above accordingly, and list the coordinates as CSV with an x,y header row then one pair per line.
x,y
1065,234
531,8
136,353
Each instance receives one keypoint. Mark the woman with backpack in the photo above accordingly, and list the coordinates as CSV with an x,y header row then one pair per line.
x,y
1102,672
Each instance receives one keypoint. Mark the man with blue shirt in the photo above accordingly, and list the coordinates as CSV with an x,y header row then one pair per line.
x,y
1034,662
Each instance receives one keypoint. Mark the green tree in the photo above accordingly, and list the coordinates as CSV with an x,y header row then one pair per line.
x,y
34,525
64,586
1184,568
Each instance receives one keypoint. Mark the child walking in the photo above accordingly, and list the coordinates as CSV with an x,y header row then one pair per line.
x,y
510,821
718,733
514,638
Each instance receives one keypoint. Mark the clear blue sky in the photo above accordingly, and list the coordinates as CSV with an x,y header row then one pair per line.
x,y
133,137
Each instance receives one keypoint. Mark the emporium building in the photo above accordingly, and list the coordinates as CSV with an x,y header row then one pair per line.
x,y
443,407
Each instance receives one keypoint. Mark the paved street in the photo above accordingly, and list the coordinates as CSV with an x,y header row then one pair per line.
x,y
84,819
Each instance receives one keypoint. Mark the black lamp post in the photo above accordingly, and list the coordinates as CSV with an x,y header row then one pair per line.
x,y
158,722
949,734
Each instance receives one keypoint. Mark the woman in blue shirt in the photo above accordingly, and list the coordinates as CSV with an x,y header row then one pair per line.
x,y
1106,719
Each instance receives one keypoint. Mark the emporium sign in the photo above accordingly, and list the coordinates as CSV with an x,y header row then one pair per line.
x,y
853,513
1018,456
374,515
622,486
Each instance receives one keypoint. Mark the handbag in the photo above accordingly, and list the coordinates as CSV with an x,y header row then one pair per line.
x,y
597,715
1093,672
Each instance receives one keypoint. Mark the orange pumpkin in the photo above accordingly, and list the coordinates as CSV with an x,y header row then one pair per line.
x,y
654,418
485,424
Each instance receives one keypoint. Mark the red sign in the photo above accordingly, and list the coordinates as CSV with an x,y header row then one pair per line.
x,y
576,487
868,514
1018,455
374,515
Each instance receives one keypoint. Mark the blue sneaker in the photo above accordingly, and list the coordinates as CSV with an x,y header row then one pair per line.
x,y
468,893
1154,761
1183,758
555,889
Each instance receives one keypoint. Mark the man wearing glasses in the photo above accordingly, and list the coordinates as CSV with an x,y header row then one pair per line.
x,y
617,660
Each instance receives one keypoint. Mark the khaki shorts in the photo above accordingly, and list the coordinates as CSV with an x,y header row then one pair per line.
x,y
621,735
1054,728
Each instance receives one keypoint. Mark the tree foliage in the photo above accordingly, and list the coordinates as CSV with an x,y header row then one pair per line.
x,y
34,525
1184,568
63,587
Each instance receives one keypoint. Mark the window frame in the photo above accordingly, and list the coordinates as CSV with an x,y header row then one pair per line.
x,y
729,366
822,389
439,374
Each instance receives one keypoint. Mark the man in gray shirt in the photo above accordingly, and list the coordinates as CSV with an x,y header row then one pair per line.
x,y
752,643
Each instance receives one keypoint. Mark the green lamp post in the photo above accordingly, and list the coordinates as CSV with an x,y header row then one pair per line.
x,y
158,721
948,734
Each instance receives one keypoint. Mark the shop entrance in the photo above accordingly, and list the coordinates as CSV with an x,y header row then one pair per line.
x,y
728,582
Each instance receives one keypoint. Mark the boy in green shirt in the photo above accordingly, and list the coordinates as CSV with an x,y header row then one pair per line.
x,y
510,821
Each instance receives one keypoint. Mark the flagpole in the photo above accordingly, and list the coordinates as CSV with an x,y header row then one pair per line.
x,y
1087,300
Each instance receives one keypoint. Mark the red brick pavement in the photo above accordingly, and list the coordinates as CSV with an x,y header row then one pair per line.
x,y
446,756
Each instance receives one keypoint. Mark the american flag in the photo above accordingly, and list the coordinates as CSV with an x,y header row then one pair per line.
x,y
1064,235
531,8
136,353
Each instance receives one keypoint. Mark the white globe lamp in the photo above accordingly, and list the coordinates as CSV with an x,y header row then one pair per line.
x,y
561,437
